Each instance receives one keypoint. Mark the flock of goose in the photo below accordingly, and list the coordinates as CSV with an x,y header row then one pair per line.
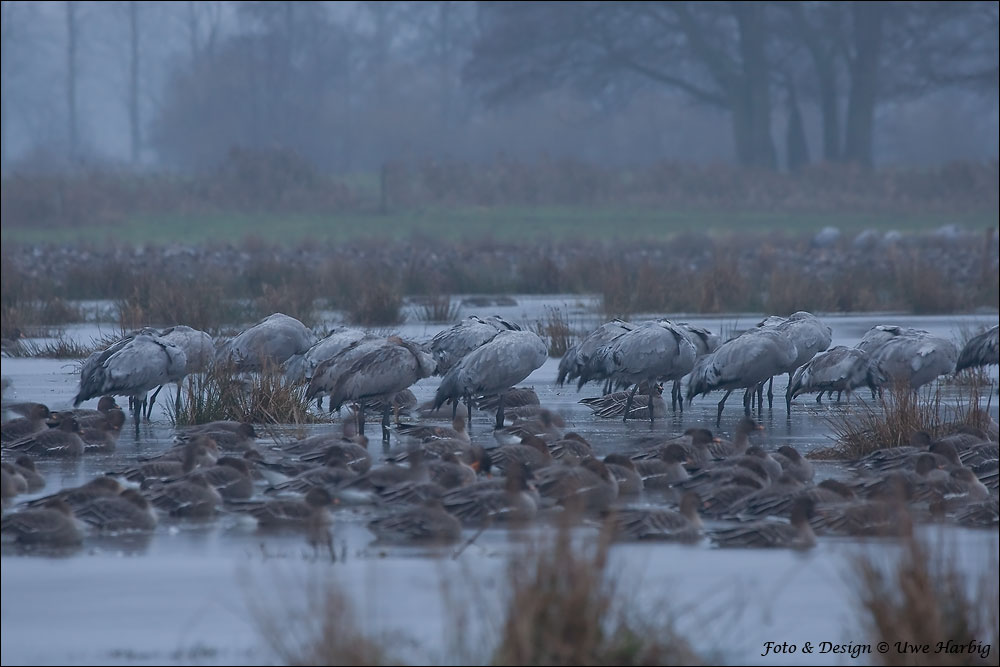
x,y
437,480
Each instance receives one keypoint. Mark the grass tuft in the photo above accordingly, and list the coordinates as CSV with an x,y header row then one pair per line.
x,y
891,419
555,331
924,598
564,609
438,309
267,397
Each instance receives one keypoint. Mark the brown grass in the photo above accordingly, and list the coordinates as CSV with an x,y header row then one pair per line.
x,y
152,298
564,609
324,632
438,309
378,304
924,598
891,419
555,331
265,397
60,348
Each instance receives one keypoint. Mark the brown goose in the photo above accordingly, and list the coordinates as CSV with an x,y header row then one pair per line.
x,y
797,534
625,472
531,451
660,524
665,471
457,431
25,467
428,522
62,442
288,513
126,512
484,503
794,464
232,477
19,428
588,487
192,497
167,468
52,525
724,449
79,496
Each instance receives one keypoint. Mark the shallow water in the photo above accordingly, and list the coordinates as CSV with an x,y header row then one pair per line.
x,y
185,594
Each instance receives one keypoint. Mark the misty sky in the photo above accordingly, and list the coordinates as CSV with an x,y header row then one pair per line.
x,y
369,82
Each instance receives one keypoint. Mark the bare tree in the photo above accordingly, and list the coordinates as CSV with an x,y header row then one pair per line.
x,y
716,53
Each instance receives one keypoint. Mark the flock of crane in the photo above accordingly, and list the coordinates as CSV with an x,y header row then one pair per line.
x,y
487,356
434,480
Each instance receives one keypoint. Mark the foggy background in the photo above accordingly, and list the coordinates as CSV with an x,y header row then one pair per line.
x,y
349,85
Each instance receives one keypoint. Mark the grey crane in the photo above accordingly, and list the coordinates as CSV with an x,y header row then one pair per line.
x,y
300,367
493,368
327,372
380,373
579,362
269,342
705,342
131,368
981,350
199,351
654,351
840,369
916,359
452,344
881,334
809,335
745,362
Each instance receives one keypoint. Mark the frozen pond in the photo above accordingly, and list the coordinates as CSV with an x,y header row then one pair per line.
x,y
184,594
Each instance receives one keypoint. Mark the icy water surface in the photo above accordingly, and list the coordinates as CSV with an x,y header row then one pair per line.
x,y
186,594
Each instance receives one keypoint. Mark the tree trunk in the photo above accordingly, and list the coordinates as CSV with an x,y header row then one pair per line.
x,y
133,87
796,144
71,116
867,38
755,147
829,110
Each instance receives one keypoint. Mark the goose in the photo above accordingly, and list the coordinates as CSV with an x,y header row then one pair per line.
x,y
53,525
429,522
660,524
797,534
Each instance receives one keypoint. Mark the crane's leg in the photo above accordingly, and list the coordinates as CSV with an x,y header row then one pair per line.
x,y
760,399
361,418
500,410
386,411
748,398
722,404
770,394
468,407
152,401
628,401
454,408
319,402
819,398
839,392
788,395
649,404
